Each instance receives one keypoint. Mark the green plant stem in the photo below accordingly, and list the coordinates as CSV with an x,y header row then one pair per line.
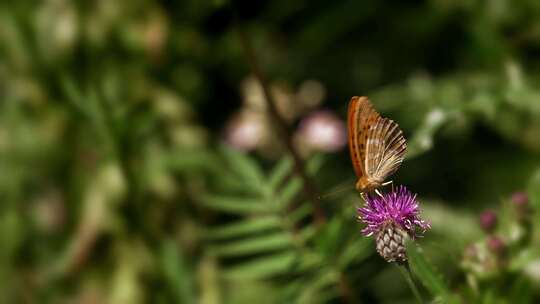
x,y
406,272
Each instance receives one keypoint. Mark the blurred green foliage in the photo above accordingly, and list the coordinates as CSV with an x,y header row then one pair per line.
x,y
116,187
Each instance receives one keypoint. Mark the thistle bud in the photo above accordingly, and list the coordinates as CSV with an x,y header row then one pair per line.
x,y
496,245
520,201
392,218
391,243
488,221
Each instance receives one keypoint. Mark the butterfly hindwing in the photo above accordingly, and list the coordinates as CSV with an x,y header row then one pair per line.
x,y
385,150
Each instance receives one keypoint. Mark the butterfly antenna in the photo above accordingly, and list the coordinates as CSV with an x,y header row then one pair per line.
x,y
337,190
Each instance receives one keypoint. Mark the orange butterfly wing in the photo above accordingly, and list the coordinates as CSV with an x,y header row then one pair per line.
x,y
376,144
360,116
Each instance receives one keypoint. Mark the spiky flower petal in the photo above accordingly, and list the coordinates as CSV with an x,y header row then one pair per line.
x,y
391,219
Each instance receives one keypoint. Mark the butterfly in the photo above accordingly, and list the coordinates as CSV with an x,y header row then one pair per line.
x,y
376,144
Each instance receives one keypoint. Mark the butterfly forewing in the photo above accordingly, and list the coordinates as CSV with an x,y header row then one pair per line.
x,y
360,115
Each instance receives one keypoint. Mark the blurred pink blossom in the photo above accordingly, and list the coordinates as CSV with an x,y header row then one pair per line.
x,y
323,131
246,130
488,220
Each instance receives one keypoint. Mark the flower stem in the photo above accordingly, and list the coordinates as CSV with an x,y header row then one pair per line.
x,y
406,272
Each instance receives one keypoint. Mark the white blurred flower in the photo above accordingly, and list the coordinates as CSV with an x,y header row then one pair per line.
x,y
435,117
246,130
532,270
100,20
57,27
253,94
170,105
323,131
188,136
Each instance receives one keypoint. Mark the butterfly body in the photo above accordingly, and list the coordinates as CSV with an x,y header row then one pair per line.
x,y
364,184
376,144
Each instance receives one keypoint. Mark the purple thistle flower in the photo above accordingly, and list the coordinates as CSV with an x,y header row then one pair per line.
x,y
399,207
391,219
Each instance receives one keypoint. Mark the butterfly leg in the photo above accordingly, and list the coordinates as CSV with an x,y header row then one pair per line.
x,y
363,196
389,183
379,193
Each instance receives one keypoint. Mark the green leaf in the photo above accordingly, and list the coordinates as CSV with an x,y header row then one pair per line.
x,y
261,268
310,261
521,291
523,258
329,241
246,168
289,191
490,296
235,205
74,95
533,189
176,273
189,160
279,173
244,227
315,163
308,232
313,288
253,245
358,250
427,275
301,212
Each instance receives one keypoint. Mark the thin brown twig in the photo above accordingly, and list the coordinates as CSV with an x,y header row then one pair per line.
x,y
299,167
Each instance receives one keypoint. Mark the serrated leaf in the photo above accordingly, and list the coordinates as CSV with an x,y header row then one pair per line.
x,y
309,261
312,289
279,173
427,275
74,95
330,239
261,268
246,168
244,227
184,160
315,163
253,245
356,251
307,233
289,191
301,212
176,274
235,205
